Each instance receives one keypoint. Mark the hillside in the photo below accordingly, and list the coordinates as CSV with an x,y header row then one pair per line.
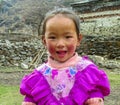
x,y
25,16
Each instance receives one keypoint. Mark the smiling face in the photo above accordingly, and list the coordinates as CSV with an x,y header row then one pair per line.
x,y
60,37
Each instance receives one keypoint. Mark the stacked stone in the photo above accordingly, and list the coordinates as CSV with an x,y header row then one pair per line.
x,y
108,26
108,47
13,53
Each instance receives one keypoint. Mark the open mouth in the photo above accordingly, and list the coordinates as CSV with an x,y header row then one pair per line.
x,y
61,53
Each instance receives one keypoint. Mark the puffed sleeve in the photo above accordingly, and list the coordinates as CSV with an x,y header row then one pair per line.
x,y
89,83
37,90
99,81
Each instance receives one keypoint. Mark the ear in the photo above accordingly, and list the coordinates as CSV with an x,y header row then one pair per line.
x,y
79,39
43,40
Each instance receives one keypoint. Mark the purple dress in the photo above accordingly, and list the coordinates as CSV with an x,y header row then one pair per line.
x,y
71,85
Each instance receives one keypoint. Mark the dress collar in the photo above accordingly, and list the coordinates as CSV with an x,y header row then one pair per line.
x,y
70,62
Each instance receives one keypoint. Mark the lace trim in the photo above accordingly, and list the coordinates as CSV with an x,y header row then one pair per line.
x,y
81,65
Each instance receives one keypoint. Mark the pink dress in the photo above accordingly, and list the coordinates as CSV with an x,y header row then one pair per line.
x,y
69,83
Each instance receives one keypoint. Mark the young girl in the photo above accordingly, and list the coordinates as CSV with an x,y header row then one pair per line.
x,y
66,78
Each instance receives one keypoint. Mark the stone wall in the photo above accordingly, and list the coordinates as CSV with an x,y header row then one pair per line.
x,y
14,53
101,36
108,26
106,46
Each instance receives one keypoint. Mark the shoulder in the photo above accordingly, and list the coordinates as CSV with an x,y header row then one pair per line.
x,y
31,80
83,63
91,77
35,86
88,68
35,75
28,81
31,77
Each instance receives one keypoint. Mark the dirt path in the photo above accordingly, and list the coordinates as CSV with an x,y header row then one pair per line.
x,y
12,78
114,97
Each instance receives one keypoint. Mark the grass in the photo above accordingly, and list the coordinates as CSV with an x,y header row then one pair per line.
x,y
114,97
10,69
9,95
114,79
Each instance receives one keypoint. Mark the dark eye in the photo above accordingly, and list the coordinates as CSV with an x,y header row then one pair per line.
x,y
51,37
68,36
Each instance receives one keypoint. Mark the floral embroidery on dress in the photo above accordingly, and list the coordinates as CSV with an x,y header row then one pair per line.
x,y
81,65
59,86
54,73
72,70
47,71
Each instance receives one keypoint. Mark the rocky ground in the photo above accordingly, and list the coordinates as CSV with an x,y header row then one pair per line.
x,y
114,97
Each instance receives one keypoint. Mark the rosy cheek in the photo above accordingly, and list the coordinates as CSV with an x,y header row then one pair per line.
x,y
71,48
51,49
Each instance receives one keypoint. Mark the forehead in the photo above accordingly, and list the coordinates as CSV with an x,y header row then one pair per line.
x,y
58,20
60,17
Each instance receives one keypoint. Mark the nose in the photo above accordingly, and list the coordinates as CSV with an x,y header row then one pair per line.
x,y
60,43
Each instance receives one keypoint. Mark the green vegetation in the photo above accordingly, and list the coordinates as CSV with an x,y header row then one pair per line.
x,y
9,95
114,97
114,79
10,69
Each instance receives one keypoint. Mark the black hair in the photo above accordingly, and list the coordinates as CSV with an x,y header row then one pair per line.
x,y
65,12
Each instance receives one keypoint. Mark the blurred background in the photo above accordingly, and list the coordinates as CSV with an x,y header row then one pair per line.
x,y
21,49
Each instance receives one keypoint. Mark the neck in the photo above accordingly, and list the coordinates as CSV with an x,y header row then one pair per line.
x,y
70,62
61,61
